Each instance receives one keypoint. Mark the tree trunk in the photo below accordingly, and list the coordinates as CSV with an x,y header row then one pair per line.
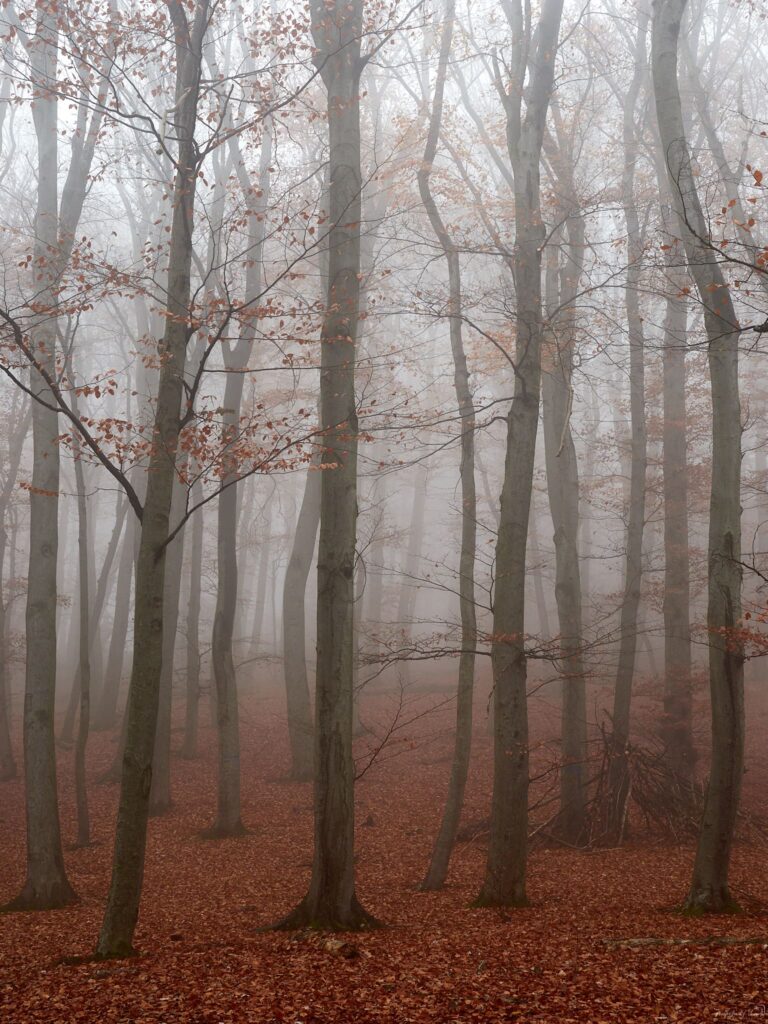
x,y
84,669
677,724
563,490
192,690
160,800
331,901
7,760
106,711
116,935
441,852
709,886
46,885
228,822
297,692
15,449
618,781
504,883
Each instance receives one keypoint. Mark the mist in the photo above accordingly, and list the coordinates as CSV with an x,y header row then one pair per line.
x,y
383,493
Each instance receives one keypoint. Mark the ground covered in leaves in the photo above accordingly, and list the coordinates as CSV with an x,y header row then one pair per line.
x,y
204,958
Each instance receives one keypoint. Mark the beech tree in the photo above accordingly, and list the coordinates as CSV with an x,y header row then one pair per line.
x,y
709,886
533,56
331,901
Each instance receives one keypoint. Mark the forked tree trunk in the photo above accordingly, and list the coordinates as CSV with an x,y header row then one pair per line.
x,y
331,901
116,935
505,874
441,852
709,886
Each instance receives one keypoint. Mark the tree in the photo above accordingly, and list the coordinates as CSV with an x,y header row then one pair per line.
x,y
121,913
46,885
438,867
331,901
709,886
619,782
534,53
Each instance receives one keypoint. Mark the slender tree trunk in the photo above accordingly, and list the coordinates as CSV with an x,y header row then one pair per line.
x,y
116,935
84,670
537,559
709,886
228,821
441,852
409,577
677,725
15,449
46,885
619,780
262,575
160,800
563,489
192,693
331,901
7,760
294,628
106,710
505,874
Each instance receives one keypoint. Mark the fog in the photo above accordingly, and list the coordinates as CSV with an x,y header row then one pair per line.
x,y
384,405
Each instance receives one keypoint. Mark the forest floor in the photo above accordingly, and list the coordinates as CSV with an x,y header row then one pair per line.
x,y
204,959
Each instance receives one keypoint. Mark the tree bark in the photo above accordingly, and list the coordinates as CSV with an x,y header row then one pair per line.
x,y
505,873
677,732
618,781
46,885
192,689
116,935
298,702
228,821
106,710
160,799
563,490
446,837
331,901
84,668
709,886
15,449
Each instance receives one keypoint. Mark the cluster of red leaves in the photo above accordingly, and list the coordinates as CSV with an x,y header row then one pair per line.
x,y
204,961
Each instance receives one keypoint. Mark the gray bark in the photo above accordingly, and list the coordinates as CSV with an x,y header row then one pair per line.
x,y
15,449
331,901
116,935
633,567
709,886
297,692
563,490
441,852
192,688
505,874
106,710
228,822
160,800
46,884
